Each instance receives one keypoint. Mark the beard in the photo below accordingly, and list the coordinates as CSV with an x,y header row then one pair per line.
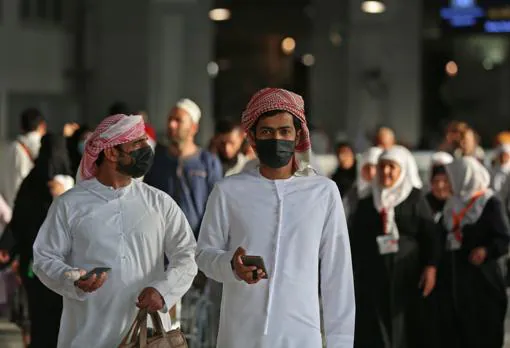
x,y
229,162
179,137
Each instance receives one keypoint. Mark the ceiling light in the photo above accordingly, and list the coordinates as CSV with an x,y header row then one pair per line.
x,y
219,14
288,45
373,6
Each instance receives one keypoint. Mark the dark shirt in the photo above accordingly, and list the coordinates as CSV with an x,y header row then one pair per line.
x,y
189,181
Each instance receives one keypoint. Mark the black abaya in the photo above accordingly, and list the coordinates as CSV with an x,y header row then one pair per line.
x,y
390,309
472,299
31,207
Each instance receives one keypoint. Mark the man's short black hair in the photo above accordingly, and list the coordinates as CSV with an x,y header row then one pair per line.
x,y
297,122
31,119
118,108
343,144
100,157
226,126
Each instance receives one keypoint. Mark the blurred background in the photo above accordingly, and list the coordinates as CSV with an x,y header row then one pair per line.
x,y
412,65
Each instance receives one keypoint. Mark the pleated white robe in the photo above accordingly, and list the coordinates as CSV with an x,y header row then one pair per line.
x,y
292,224
129,230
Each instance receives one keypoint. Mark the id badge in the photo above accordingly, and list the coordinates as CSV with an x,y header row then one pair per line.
x,y
452,243
388,244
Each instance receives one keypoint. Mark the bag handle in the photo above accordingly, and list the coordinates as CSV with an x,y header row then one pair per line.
x,y
139,328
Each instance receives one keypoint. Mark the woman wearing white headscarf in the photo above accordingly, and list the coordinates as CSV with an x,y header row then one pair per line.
x,y
439,186
471,290
395,249
502,168
367,171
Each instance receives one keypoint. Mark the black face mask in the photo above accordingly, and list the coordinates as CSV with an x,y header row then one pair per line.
x,y
141,162
275,153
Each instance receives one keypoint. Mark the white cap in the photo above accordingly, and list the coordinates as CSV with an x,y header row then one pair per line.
x,y
191,108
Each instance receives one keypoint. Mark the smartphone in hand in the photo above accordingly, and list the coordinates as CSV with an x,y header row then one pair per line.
x,y
97,271
256,261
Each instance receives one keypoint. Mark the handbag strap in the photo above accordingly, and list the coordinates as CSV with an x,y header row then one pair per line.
x,y
156,321
133,331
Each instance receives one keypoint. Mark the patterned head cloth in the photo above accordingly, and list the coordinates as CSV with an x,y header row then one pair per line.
x,y
272,99
112,131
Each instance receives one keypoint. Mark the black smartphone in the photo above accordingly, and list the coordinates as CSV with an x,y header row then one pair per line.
x,y
97,271
256,261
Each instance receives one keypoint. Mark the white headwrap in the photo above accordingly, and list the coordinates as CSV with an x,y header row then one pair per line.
x,y
191,108
386,199
370,157
467,177
500,171
441,158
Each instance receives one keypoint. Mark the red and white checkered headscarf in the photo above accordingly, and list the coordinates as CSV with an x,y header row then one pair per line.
x,y
272,99
112,131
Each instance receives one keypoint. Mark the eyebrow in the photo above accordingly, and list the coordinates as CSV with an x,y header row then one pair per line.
x,y
276,128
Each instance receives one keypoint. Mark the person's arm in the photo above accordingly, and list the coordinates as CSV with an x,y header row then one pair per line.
x,y
51,248
429,235
213,256
180,248
215,172
337,284
496,228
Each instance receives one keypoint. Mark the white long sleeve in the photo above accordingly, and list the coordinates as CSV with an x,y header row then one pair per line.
x,y
51,250
179,248
337,285
16,166
213,254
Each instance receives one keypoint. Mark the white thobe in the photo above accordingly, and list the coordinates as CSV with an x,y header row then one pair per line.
x,y
129,230
17,164
292,224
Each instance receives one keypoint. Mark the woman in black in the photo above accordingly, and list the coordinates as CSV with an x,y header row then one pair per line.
x,y
345,175
439,185
471,291
34,198
395,249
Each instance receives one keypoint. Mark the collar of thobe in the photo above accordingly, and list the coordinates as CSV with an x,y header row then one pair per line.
x,y
107,193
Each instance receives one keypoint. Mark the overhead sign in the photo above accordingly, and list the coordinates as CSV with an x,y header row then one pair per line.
x,y
490,16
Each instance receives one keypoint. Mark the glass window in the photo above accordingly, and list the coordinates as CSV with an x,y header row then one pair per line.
x,y
42,9
25,9
57,11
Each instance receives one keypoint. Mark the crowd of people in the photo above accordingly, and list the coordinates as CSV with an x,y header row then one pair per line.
x,y
374,257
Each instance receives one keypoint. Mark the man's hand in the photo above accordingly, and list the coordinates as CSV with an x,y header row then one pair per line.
x,y
249,274
69,129
151,299
478,256
56,188
91,284
428,280
4,256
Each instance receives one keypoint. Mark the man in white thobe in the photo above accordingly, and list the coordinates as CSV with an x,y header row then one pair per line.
x,y
111,220
292,218
21,154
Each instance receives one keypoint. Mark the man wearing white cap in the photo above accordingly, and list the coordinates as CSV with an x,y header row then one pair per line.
x,y
184,170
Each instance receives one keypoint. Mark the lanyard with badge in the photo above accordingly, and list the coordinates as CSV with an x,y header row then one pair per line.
x,y
388,243
454,239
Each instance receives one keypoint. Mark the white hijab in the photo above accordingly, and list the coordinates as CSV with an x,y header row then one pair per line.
x,y
370,157
467,177
388,198
500,171
441,158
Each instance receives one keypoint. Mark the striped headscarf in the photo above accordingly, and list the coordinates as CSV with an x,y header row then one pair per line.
x,y
273,99
112,131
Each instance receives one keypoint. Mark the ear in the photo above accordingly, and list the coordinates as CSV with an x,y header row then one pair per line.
x,y
251,139
194,128
299,133
111,154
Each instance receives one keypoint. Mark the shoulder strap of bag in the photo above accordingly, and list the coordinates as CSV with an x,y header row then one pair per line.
x,y
26,150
